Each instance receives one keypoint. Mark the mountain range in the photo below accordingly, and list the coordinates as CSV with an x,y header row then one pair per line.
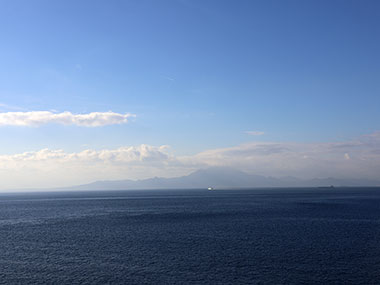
x,y
220,178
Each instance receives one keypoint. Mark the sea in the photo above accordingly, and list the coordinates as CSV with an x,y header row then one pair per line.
x,y
250,236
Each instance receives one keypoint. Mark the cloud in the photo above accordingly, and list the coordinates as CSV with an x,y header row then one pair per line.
x,y
168,78
123,154
50,168
37,118
255,133
356,158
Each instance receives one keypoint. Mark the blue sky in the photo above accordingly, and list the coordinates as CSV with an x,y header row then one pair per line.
x,y
197,75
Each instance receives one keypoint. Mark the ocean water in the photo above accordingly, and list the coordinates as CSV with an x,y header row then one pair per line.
x,y
261,236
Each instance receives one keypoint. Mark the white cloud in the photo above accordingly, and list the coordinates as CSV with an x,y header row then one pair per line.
x,y
358,158
255,133
37,118
169,78
303,160
123,154
49,168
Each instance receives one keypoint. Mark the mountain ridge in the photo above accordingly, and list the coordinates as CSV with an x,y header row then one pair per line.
x,y
220,177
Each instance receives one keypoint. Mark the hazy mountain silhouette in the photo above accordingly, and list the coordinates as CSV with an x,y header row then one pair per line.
x,y
220,177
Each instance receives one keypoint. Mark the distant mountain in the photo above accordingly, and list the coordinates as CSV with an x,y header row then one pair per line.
x,y
220,177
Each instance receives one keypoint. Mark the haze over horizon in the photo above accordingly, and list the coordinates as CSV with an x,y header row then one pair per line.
x,y
99,90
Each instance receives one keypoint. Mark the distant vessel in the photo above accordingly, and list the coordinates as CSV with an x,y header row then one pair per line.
x,y
327,187
210,188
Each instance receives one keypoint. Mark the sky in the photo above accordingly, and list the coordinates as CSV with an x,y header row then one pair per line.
x,y
101,90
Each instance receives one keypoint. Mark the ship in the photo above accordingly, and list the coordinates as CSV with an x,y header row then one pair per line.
x,y
327,187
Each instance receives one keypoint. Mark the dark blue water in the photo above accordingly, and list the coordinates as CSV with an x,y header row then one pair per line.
x,y
284,236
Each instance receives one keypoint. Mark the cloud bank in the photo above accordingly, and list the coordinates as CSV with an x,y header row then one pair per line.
x,y
357,158
50,168
37,118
